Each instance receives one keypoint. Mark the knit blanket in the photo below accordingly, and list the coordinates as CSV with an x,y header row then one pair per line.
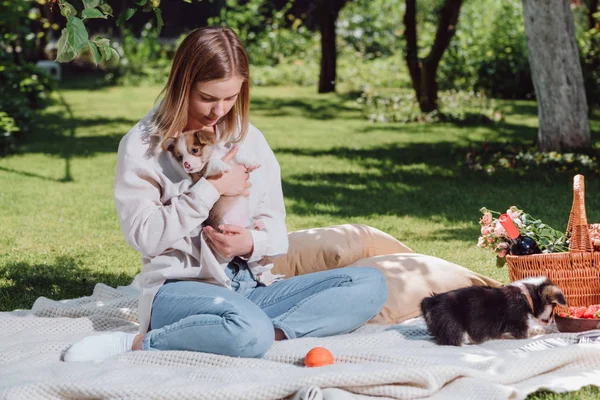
x,y
383,361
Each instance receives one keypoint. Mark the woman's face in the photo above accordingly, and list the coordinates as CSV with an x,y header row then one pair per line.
x,y
210,101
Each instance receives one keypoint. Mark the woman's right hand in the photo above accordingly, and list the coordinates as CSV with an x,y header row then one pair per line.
x,y
235,181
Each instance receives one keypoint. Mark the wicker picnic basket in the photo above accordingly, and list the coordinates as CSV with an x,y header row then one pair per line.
x,y
576,272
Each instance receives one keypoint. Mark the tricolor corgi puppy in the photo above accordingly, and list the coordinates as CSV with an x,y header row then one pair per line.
x,y
479,313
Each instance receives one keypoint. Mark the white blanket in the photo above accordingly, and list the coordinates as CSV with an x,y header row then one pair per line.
x,y
399,362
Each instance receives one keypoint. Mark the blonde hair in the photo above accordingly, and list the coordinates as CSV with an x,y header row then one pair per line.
x,y
206,54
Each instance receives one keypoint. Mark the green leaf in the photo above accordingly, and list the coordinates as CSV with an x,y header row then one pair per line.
x,y
92,13
91,3
141,2
500,262
115,56
104,46
100,41
78,35
67,10
65,51
106,9
95,52
126,15
159,20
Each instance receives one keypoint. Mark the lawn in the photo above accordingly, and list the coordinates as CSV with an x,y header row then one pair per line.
x,y
60,235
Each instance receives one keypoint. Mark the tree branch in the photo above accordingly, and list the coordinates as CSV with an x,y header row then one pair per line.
x,y
412,49
446,29
410,30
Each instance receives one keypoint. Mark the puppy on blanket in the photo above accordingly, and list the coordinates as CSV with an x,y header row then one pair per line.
x,y
479,313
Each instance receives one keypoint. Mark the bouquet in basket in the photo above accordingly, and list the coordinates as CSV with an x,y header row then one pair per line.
x,y
494,235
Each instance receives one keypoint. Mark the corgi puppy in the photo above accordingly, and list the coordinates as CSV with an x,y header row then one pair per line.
x,y
479,313
200,156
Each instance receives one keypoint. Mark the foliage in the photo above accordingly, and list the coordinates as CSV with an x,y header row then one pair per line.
x,y
7,127
352,76
25,89
493,235
370,29
489,51
75,37
588,41
287,72
525,158
457,107
269,36
143,61
22,29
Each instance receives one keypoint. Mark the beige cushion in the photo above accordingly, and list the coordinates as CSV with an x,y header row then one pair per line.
x,y
411,277
319,249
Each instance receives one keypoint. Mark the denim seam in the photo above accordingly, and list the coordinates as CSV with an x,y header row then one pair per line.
x,y
307,287
158,335
288,332
178,296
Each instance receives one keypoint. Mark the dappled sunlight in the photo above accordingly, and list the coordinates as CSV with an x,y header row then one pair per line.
x,y
218,300
575,381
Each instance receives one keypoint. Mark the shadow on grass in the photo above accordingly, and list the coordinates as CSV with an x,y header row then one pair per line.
x,y
427,181
55,134
327,108
22,283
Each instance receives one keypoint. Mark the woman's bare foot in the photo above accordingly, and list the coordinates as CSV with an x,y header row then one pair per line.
x,y
137,342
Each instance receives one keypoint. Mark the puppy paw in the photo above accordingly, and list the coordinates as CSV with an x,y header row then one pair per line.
x,y
507,335
248,162
538,330
216,167
251,167
259,225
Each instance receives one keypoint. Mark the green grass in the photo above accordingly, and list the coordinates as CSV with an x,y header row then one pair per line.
x,y
60,235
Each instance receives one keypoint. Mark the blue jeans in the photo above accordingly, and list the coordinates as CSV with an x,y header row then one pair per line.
x,y
197,316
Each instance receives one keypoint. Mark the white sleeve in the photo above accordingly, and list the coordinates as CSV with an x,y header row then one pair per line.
x,y
272,241
150,226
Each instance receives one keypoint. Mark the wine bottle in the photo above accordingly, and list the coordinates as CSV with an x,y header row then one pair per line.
x,y
520,245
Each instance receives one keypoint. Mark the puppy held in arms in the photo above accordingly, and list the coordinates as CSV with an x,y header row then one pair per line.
x,y
479,313
200,156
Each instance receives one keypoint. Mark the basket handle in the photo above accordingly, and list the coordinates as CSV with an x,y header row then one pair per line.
x,y
577,229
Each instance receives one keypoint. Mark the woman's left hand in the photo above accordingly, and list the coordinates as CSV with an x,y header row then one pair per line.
x,y
234,241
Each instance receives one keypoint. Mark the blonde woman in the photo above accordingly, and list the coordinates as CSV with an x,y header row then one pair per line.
x,y
188,301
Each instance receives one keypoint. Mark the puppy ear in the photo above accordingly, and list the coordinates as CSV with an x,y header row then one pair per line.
x,y
206,137
169,144
553,295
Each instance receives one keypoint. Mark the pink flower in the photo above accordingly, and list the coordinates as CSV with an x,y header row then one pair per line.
x,y
502,245
499,229
486,219
502,253
481,242
518,222
486,230
513,212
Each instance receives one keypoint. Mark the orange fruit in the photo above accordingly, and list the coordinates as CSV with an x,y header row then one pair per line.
x,y
318,357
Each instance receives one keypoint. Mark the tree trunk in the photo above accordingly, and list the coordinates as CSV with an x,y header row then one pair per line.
x,y
423,71
557,76
328,13
592,9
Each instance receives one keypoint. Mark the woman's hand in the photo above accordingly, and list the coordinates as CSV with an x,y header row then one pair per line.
x,y
234,241
235,181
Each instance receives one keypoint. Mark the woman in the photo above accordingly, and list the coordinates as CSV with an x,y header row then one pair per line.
x,y
188,300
